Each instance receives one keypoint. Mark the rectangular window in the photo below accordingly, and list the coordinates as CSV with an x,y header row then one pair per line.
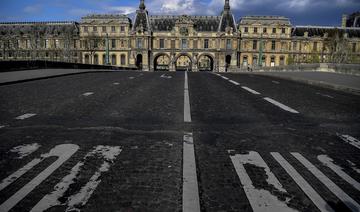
x,y
254,44
173,44
246,30
294,46
95,28
46,43
228,44
273,45
139,43
283,30
255,29
195,44
122,28
183,43
56,44
113,43
265,30
206,43
274,30
315,46
112,28
86,29
103,29
122,44
354,47
74,44
162,44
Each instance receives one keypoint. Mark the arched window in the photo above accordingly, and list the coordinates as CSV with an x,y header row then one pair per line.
x,y
272,61
87,61
245,61
122,59
104,59
282,60
96,59
113,59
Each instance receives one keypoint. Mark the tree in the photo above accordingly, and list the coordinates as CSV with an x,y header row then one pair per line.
x,y
338,47
92,44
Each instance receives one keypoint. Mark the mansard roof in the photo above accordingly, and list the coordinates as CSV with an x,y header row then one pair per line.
x,y
106,18
42,28
227,20
141,20
319,31
265,20
201,23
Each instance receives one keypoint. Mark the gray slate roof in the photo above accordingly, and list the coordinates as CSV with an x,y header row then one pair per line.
x,y
42,28
319,31
265,20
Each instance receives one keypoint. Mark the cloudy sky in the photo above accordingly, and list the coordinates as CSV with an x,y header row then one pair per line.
x,y
301,12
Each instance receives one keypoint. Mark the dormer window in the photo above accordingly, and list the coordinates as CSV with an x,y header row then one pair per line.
x,y
274,30
122,28
246,30
255,29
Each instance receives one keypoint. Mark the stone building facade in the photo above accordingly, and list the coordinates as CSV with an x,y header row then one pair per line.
x,y
193,43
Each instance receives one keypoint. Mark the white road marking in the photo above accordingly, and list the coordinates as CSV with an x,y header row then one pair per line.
x,y
165,76
16,175
116,83
346,199
353,166
327,161
250,90
131,78
187,111
233,82
319,202
63,152
350,140
88,94
325,95
25,149
276,82
225,78
190,198
25,116
260,199
107,153
280,105
2,126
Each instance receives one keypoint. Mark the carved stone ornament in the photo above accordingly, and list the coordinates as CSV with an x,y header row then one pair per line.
x,y
184,31
228,30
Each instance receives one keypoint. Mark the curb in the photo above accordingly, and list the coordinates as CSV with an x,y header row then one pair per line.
x,y
54,76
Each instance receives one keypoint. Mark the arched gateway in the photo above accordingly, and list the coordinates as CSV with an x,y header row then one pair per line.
x,y
162,62
183,63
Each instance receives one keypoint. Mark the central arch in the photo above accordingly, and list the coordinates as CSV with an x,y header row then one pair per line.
x,y
161,62
205,63
183,63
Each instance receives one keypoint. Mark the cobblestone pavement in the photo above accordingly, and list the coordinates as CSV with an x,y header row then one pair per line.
x,y
135,141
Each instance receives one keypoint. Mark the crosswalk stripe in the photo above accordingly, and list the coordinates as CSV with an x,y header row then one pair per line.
x,y
319,202
350,140
280,105
327,161
63,152
260,199
346,199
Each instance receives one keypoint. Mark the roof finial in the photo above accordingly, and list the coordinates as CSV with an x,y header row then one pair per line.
x,y
142,5
227,5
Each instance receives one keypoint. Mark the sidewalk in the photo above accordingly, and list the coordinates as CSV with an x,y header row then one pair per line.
x,y
27,75
344,82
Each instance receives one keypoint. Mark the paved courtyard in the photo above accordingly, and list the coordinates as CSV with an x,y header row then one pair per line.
x,y
137,141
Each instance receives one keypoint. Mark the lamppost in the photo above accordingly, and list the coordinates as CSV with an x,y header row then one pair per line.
x,y
261,51
107,49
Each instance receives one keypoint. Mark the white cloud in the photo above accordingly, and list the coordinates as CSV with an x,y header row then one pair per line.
x,y
32,9
121,9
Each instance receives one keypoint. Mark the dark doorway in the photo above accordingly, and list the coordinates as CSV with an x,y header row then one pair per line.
x,y
227,62
139,61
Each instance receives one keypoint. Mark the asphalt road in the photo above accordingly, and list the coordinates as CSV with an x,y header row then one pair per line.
x,y
124,141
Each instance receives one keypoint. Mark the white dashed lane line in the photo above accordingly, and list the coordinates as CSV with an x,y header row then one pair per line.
x,y
233,82
187,111
25,116
275,82
88,94
116,83
325,95
225,78
280,105
250,90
